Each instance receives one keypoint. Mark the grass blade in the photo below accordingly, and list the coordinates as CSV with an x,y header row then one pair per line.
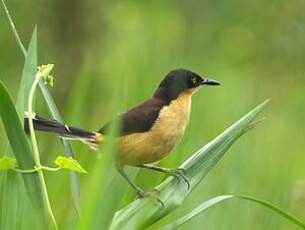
x,y
13,198
172,191
21,150
74,178
219,199
28,75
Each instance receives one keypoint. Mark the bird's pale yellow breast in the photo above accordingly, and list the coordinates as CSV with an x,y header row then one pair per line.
x,y
167,131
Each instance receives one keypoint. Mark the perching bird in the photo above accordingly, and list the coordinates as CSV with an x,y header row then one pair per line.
x,y
148,131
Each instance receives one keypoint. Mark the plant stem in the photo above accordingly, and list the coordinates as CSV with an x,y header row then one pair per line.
x,y
54,112
48,168
36,169
47,206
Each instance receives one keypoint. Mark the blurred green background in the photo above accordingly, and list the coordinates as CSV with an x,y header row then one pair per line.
x,y
255,48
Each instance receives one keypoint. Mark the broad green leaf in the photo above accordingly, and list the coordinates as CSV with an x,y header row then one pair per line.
x,y
21,149
7,163
173,191
69,163
216,200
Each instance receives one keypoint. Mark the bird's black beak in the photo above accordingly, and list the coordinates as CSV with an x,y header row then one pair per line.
x,y
210,82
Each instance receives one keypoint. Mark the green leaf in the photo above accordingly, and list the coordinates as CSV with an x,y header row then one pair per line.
x,y
7,163
69,163
14,198
45,69
173,191
30,59
216,200
21,149
28,76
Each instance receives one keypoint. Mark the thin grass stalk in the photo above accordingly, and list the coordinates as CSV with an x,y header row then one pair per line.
x,y
16,35
74,178
48,209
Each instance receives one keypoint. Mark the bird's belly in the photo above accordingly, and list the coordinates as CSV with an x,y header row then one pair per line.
x,y
148,147
155,144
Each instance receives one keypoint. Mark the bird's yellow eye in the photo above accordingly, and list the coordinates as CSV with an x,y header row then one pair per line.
x,y
194,80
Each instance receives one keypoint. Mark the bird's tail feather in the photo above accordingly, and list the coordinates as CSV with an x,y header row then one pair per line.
x,y
65,131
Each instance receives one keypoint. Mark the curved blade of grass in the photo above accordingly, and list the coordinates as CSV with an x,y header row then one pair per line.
x,y
53,111
28,76
219,199
21,150
13,199
172,191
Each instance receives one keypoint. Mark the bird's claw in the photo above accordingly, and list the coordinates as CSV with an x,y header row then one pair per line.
x,y
180,174
142,194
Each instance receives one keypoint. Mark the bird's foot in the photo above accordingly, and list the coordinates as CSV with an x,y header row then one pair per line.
x,y
142,194
180,174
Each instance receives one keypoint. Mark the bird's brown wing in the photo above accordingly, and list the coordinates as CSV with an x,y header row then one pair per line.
x,y
138,119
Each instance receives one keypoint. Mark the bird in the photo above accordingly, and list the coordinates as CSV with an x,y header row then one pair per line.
x,y
148,131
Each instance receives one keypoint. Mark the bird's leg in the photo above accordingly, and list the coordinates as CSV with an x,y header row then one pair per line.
x,y
178,173
137,189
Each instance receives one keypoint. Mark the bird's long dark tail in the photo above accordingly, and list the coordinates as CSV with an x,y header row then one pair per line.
x,y
65,131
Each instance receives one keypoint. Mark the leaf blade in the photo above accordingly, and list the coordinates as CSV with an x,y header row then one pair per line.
x,y
216,200
21,149
13,195
27,76
74,179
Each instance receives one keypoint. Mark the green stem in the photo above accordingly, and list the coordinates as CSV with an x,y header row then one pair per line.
x,y
36,169
53,111
48,209
48,168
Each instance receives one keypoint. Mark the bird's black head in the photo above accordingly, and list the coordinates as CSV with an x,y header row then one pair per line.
x,y
179,80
